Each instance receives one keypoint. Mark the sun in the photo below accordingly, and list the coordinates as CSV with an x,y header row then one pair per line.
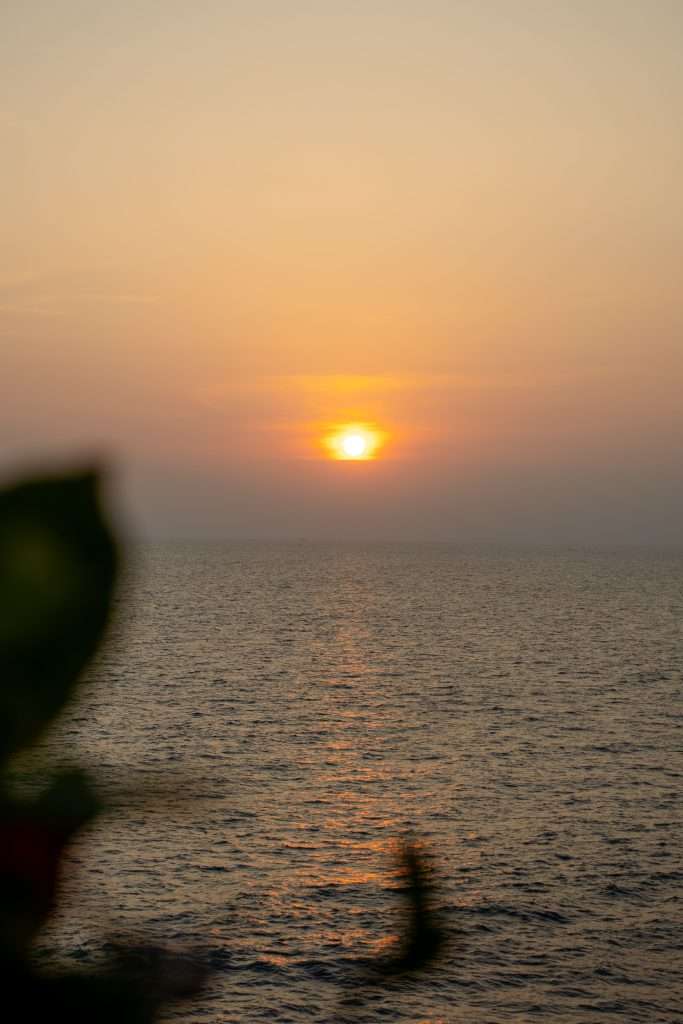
x,y
355,442
354,445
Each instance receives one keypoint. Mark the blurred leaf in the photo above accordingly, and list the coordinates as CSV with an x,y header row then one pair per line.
x,y
57,568
132,990
75,998
165,975
32,840
69,802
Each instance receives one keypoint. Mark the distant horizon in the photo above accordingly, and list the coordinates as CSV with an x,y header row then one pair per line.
x,y
511,544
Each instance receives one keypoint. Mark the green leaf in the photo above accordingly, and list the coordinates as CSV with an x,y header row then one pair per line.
x,y
32,840
69,800
76,997
57,569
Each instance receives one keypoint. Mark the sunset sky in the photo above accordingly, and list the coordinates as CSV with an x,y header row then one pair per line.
x,y
230,228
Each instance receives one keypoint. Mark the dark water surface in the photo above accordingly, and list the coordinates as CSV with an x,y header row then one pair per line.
x,y
303,707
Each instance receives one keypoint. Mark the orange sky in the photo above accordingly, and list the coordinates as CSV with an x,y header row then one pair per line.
x,y
227,229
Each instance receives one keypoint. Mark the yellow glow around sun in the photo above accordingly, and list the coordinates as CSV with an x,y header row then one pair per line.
x,y
355,442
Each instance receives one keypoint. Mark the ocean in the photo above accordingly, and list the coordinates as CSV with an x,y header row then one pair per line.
x,y
270,721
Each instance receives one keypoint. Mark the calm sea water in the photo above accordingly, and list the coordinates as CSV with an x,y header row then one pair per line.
x,y
297,709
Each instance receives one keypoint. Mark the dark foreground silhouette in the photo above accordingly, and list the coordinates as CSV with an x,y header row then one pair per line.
x,y
58,565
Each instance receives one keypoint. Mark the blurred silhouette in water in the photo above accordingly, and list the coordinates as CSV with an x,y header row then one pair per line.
x,y
423,937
